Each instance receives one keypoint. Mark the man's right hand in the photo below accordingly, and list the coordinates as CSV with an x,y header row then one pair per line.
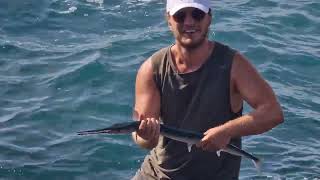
x,y
149,129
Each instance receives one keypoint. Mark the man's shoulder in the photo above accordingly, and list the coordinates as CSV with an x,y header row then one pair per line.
x,y
160,52
157,57
223,45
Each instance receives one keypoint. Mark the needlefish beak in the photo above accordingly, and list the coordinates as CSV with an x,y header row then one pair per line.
x,y
119,128
98,131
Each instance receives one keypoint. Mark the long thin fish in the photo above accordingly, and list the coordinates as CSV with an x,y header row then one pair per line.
x,y
189,137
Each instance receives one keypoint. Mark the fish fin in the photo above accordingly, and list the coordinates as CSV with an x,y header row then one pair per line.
x,y
189,147
219,153
257,164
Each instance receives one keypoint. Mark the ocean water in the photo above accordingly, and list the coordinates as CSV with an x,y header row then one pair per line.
x,y
70,65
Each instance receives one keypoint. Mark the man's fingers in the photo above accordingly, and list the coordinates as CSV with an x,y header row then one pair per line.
x,y
143,128
207,143
208,146
205,133
158,127
155,127
142,125
149,128
205,139
152,128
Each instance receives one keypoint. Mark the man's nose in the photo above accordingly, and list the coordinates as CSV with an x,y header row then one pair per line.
x,y
189,19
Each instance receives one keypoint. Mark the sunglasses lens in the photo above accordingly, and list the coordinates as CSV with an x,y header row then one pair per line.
x,y
179,16
198,15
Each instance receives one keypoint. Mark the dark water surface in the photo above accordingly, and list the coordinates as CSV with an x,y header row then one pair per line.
x,y
70,65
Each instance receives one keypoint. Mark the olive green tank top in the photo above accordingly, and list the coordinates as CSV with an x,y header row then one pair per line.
x,y
193,101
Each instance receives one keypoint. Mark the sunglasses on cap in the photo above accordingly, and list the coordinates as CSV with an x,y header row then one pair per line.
x,y
196,14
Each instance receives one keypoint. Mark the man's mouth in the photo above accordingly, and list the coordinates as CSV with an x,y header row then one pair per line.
x,y
189,31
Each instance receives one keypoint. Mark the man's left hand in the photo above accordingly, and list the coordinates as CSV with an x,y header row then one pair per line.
x,y
215,139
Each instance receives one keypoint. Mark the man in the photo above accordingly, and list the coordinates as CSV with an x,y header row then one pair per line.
x,y
198,85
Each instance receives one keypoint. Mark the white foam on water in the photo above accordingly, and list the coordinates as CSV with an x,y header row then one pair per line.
x,y
95,1
69,11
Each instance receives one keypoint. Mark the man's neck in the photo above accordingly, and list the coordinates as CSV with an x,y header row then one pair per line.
x,y
190,59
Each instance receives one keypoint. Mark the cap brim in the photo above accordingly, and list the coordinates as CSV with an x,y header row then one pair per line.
x,y
185,5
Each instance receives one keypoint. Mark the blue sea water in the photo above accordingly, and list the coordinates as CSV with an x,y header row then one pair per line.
x,y
70,65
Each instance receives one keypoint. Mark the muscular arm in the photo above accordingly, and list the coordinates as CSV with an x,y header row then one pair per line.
x,y
247,85
147,106
258,94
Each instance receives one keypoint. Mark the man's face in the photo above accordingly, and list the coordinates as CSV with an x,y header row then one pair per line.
x,y
190,27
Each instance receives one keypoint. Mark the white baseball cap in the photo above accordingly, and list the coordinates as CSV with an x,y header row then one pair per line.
x,y
174,6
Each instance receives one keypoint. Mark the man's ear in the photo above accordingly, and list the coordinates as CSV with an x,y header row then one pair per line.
x,y
167,18
169,25
210,20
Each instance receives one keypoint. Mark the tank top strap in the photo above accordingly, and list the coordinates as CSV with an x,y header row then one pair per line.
x,y
159,62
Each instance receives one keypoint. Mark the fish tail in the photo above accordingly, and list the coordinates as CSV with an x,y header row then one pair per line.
x,y
257,163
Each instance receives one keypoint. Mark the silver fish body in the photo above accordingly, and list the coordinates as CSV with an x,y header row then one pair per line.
x,y
189,137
